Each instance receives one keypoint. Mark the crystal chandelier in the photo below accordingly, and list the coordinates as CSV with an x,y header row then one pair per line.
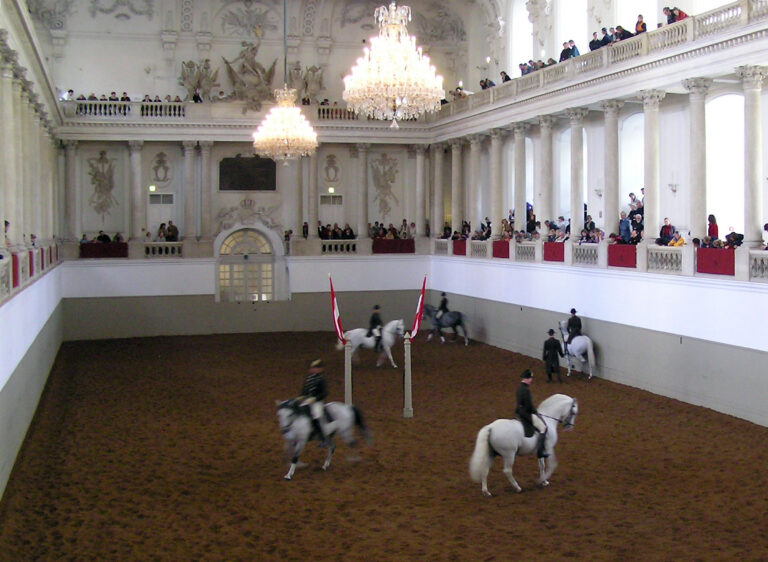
x,y
393,79
285,134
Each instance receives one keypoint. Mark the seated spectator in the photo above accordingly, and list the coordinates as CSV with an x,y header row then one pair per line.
x,y
677,239
102,237
712,230
640,26
665,233
117,237
595,44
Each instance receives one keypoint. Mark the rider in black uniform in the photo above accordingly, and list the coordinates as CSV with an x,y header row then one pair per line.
x,y
527,412
374,327
443,308
312,395
574,326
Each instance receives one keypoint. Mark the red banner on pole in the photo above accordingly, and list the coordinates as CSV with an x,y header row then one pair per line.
x,y
419,310
336,316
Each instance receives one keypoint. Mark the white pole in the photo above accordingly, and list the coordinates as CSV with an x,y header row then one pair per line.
x,y
407,398
348,373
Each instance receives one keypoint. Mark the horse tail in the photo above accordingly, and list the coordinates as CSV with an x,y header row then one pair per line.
x,y
481,460
360,422
591,355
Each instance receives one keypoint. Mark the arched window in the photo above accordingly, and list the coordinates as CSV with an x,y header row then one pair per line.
x,y
725,162
246,268
631,158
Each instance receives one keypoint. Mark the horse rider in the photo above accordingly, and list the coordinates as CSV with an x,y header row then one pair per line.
x,y
443,308
528,414
374,327
552,351
312,395
574,326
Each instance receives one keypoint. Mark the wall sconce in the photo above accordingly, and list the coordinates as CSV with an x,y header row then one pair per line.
x,y
599,192
673,187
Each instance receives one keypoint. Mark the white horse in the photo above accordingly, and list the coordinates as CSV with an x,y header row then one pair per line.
x,y
296,427
507,439
389,333
580,348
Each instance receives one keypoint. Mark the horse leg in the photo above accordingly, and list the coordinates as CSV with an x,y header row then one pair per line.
x,y
508,464
331,448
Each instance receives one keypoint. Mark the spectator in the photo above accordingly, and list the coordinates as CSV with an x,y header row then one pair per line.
x,y
595,44
625,230
712,230
677,239
640,26
574,49
565,54
666,233
505,77
670,16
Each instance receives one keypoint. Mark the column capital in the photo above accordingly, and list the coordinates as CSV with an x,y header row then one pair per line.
x,y
188,145
611,107
651,98
520,128
576,114
751,76
546,121
206,146
135,145
697,86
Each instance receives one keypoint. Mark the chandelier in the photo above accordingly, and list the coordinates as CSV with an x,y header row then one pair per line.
x,y
285,134
393,79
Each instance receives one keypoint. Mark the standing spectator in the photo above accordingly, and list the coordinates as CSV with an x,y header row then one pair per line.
x,y
550,356
712,230
574,49
625,230
595,44
565,54
640,26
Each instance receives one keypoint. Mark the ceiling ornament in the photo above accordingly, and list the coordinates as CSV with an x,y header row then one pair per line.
x,y
393,79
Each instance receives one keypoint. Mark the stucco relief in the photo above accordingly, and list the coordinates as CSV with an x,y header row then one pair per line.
x,y
248,213
384,172
102,171
123,9
52,14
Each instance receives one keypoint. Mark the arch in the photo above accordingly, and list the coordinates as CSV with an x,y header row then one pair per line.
x,y
250,266
725,161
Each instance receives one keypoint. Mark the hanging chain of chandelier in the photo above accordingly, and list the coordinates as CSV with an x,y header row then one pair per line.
x,y
394,79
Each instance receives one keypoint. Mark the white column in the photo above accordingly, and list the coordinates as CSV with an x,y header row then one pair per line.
x,y
697,208
362,171
438,212
611,166
752,79
312,200
206,218
138,212
651,99
189,189
70,192
519,199
543,208
576,117
497,181
456,196
421,203
473,208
